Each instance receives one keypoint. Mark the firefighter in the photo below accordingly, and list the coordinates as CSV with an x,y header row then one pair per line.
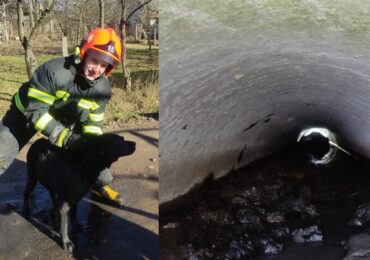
x,y
64,100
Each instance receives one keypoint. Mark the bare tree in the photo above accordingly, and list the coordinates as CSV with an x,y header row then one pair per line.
x,y
101,15
145,19
64,30
123,22
5,28
31,13
81,18
63,27
9,10
51,23
92,19
27,42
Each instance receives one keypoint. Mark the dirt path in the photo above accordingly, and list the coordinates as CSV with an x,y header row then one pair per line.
x,y
106,232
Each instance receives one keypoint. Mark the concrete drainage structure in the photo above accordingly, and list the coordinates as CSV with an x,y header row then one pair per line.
x,y
320,144
239,80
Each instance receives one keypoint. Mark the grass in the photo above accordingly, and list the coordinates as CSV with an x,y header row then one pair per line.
x,y
123,107
127,106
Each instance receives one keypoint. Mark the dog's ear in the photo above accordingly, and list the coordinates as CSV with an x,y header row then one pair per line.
x,y
112,146
105,140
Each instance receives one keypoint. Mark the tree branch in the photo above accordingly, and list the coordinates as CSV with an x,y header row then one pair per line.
x,y
40,22
22,38
60,23
140,6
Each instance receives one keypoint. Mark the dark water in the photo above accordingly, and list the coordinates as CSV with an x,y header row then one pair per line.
x,y
253,212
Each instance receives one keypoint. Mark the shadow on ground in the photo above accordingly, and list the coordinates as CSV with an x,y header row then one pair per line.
x,y
148,138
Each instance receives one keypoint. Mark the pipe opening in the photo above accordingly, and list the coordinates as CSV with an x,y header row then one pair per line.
x,y
319,144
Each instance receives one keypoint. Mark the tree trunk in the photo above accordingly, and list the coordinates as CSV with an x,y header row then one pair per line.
x,y
51,23
101,9
136,37
20,16
155,36
126,72
39,9
5,28
148,28
29,57
81,24
145,36
86,29
10,29
51,27
65,46
79,29
149,39
31,13
31,61
27,43
5,32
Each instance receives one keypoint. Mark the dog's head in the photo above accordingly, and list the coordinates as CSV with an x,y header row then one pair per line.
x,y
110,147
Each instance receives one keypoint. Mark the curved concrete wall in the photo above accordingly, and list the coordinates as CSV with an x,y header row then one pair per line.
x,y
239,80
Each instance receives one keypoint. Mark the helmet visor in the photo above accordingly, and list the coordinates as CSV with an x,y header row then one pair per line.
x,y
101,56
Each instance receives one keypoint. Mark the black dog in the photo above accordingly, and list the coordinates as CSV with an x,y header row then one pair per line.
x,y
68,175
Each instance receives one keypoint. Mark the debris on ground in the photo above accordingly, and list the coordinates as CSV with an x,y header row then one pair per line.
x,y
260,210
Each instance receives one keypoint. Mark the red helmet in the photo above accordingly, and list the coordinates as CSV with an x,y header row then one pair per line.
x,y
103,44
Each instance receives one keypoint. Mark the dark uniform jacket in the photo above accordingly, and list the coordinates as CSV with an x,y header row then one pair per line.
x,y
59,97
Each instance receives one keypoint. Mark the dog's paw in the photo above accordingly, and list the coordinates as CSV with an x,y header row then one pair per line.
x,y
67,244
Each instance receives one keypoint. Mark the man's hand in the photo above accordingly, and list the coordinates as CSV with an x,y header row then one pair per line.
x,y
75,142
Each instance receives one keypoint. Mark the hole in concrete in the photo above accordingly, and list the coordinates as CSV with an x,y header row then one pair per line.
x,y
319,144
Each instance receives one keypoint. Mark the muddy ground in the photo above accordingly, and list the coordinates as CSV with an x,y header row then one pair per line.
x,y
281,207
106,232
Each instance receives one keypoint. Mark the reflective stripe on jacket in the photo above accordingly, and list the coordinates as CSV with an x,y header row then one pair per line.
x,y
58,96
